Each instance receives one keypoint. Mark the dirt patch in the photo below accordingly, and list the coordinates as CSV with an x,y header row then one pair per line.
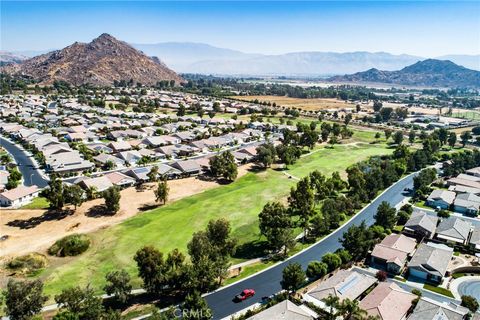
x,y
305,104
31,230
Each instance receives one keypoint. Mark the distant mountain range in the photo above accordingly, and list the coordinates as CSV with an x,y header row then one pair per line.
x,y
202,58
188,57
427,73
99,62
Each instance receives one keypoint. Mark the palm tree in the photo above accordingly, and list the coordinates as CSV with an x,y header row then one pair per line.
x,y
350,310
333,302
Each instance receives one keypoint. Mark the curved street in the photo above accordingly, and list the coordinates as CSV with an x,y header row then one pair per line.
x,y
267,282
26,165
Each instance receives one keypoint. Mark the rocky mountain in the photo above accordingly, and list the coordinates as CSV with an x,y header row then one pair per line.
x,y
11,57
99,62
468,61
427,73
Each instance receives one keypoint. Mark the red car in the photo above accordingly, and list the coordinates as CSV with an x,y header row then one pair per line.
x,y
247,293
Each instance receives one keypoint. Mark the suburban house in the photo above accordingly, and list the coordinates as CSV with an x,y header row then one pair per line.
x,y
474,172
168,171
67,163
140,174
99,184
442,199
392,252
430,262
286,310
421,224
18,196
467,203
188,167
464,189
388,302
119,146
475,239
102,159
131,156
120,180
454,230
463,182
429,309
343,284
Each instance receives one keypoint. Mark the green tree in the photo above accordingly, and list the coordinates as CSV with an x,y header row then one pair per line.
x,y
161,193
398,137
332,260
266,154
316,269
411,136
470,302
350,310
54,193
377,105
196,308
23,299
302,202
80,301
288,154
293,277
112,199
224,165
153,174
333,303
73,194
276,226
388,133
118,285
464,137
357,240
152,269
386,216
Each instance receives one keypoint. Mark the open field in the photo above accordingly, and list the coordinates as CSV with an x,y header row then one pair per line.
x,y
305,104
171,226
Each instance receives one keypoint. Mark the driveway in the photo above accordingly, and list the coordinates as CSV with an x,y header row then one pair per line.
x,y
26,165
268,281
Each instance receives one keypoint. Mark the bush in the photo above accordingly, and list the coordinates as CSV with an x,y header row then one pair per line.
x,y
470,302
71,245
381,275
332,260
443,214
316,269
28,263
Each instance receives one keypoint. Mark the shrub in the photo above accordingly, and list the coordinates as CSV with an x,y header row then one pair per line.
x,y
332,260
71,245
443,214
28,263
381,275
316,269
470,302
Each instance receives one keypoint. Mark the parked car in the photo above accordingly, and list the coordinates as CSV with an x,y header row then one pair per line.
x,y
247,293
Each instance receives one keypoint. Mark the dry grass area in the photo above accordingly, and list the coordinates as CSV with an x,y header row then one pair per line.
x,y
305,104
32,230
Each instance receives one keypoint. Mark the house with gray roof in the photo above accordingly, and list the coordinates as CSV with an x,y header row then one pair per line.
x,y
430,262
475,239
429,309
343,284
454,230
467,203
421,224
188,167
441,199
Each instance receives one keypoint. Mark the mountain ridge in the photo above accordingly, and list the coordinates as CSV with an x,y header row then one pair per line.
x,y
429,72
99,62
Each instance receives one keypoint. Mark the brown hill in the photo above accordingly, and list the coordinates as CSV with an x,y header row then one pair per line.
x,y
99,62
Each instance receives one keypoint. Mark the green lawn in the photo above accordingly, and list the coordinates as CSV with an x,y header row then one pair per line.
x,y
439,290
37,203
172,226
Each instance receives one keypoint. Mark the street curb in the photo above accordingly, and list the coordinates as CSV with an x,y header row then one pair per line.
x,y
314,244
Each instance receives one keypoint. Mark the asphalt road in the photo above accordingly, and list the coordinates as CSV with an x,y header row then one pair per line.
x,y
26,165
268,282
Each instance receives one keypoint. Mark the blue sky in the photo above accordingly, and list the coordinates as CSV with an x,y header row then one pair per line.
x,y
426,28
